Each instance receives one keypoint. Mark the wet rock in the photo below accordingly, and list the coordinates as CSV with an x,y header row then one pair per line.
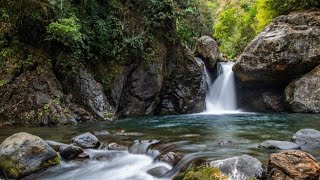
x,y
242,167
307,137
293,165
158,171
171,158
86,140
208,50
280,145
184,92
101,133
117,147
70,152
286,49
23,154
56,145
83,156
303,94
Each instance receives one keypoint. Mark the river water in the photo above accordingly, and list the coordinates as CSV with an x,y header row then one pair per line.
x,y
222,136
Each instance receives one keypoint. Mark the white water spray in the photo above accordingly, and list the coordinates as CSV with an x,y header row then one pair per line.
x,y
221,97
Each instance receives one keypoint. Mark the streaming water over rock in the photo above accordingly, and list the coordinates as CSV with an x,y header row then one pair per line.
x,y
221,96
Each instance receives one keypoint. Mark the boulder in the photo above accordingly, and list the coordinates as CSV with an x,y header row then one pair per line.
x,y
307,138
279,145
286,49
241,167
23,154
303,94
208,50
293,165
67,151
86,140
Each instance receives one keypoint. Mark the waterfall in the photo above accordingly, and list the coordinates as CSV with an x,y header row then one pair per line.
x,y
221,96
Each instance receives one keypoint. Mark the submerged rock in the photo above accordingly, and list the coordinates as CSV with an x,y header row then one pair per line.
x,y
280,145
158,171
303,94
241,167
86,140
101,133
284,50
23,154
293,165
307,137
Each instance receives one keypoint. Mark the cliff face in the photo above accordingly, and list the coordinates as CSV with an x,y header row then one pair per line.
x,y
47,85
285,50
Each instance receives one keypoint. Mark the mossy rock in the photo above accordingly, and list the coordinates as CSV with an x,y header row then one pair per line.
x,y
23,154
204,173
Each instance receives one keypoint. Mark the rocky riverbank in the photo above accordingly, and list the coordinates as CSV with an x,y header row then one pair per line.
x,y
29,156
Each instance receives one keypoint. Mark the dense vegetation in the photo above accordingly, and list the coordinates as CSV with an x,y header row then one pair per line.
x,y
119,31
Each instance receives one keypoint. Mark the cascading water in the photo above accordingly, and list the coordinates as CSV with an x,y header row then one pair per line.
x,y
221,96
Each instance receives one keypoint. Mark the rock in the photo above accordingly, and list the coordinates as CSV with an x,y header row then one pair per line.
x,y
35,98
303,94
281,145
242,167
56,145
86,140
293,165
23,154
208,50
158,171
141,90
307,138
184,92
85,90
117,147
70,152
286,49
171,158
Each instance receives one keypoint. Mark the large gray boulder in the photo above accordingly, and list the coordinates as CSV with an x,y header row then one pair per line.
x,y
293,165
307,137
278,145
86,140
67,151
23,154
284,50
303,94
208,50
241,167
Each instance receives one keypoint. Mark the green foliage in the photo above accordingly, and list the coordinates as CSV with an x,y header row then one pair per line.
x,y
65,31
195,20
269,9
235,28
204,172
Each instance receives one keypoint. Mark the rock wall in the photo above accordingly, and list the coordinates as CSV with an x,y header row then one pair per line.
x,y
286,49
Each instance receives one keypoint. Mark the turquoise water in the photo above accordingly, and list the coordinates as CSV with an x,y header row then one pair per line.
x,y
224,135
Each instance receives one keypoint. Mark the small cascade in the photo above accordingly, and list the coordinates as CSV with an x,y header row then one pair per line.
x,y
221,96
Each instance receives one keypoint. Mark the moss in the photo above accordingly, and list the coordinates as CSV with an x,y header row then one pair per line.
x,y
51,162
204,172
9,167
